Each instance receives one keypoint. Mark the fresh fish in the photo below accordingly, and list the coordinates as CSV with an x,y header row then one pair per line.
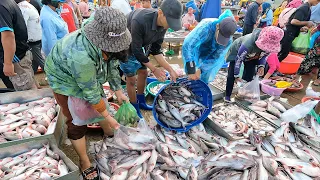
x,y
176,115
262,172
103,176
304,130
260,103
273,110
192,173
162,104
184,92
62,168
135,162
120,174
268,146
184,143
270,164
307,168
279,106
19,109
12,126
152,161
134,172
170,122
159,134
267,115
10,118
8,107
234,162
256,108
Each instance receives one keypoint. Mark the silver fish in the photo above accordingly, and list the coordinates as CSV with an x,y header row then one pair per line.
x,y
192,173
134,172
120,174
162,104
262,172
176,114
152,161
279,106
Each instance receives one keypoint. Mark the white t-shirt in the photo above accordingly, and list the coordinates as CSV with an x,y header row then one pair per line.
x,y
32,19
122,5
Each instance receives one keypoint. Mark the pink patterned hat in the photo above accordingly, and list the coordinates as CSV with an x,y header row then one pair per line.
x,y
269,39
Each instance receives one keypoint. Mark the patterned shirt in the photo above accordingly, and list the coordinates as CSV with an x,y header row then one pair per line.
x,y
80,70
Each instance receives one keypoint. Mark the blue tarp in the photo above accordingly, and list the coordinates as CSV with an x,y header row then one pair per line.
x,y
211,9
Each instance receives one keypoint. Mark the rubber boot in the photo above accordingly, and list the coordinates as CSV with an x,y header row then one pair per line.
x,y
142,102
136,106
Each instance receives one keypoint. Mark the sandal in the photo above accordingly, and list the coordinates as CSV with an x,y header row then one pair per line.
x,y
315,84
89,171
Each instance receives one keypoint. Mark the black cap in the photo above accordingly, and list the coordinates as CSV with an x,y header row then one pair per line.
x,y
227,27
172,10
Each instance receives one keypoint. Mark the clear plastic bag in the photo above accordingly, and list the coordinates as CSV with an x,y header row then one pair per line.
x,y
140,138
299,111
82,112
127,114
250,91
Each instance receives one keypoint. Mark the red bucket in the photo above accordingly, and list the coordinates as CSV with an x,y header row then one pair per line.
x,y
290,65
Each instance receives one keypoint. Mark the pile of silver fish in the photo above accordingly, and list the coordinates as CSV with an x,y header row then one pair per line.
x,y
156,88
177,106
32,119
308,130
269,109
40,163
238,122
220,81
159,155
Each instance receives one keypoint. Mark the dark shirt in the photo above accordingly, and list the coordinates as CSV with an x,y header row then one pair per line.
x,y
252,14
36,4
303,13
142,23
11,19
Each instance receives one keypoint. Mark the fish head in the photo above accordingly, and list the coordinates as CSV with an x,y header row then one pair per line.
x,y
255,139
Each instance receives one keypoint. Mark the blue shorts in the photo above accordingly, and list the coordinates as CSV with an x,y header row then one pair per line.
x,y
131,67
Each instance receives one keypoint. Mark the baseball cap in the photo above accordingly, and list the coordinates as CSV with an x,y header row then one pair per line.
x,y
172,10
227,27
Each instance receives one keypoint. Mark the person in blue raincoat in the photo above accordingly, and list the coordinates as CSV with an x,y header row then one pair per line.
x,y
204,48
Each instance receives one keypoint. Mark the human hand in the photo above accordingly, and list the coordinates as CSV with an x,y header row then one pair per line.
x,y
314,30
195,76
112,122
121,97
8,69
173,76
304,29
160,74
260,71
310,24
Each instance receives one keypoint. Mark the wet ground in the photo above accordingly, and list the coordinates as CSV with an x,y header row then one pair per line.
x,y
94,135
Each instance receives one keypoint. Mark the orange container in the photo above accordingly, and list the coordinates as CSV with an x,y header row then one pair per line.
x,y
237,18
290,65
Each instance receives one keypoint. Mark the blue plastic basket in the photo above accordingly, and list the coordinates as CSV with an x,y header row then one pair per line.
x,y
204,94
152,79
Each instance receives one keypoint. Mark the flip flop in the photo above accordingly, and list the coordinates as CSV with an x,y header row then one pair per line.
x,y
89,171
315,84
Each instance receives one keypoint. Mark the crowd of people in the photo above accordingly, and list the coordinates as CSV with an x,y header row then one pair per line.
x,y
83,47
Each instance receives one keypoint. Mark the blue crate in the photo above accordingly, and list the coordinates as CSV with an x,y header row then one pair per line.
x,y
204,94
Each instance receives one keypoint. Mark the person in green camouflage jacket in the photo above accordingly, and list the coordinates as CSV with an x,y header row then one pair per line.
x,y
80,63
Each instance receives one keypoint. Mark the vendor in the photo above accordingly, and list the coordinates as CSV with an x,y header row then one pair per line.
x,y
80,70
204,48
251,50
311,61
273,64
148,27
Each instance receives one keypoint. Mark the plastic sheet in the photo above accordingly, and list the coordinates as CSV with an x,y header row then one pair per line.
x,y
299,111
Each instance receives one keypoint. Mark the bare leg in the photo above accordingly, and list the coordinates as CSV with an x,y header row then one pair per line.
x,y
142,80
131,89
80,146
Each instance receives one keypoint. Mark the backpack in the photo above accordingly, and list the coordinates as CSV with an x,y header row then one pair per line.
x,y
285,16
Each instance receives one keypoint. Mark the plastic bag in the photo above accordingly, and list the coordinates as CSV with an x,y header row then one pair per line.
x,y
82,112
301,43
140,138
299,111
127,114
250,91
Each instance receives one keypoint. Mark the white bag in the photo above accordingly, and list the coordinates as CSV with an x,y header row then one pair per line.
x,y
299,111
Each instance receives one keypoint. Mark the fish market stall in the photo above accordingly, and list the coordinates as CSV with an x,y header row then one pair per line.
x,y
29,115
36,159
177,36
269,108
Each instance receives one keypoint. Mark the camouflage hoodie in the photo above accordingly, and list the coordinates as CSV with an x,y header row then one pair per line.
x,y
75,67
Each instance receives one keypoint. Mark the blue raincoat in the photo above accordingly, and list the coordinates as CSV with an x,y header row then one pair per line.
x,y
201,47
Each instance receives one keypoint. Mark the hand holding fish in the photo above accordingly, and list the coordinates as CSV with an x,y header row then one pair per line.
x,y
195,76
121,97
173,76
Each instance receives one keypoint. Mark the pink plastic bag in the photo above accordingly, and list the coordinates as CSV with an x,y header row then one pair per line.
x,y
82,112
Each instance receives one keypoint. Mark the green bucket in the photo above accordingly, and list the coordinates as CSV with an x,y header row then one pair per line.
x,y
153,84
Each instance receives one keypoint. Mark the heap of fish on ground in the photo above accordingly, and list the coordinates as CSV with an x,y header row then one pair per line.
x,y
237,122
32,119
269,109
220,81
40,163
200,155
177,106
